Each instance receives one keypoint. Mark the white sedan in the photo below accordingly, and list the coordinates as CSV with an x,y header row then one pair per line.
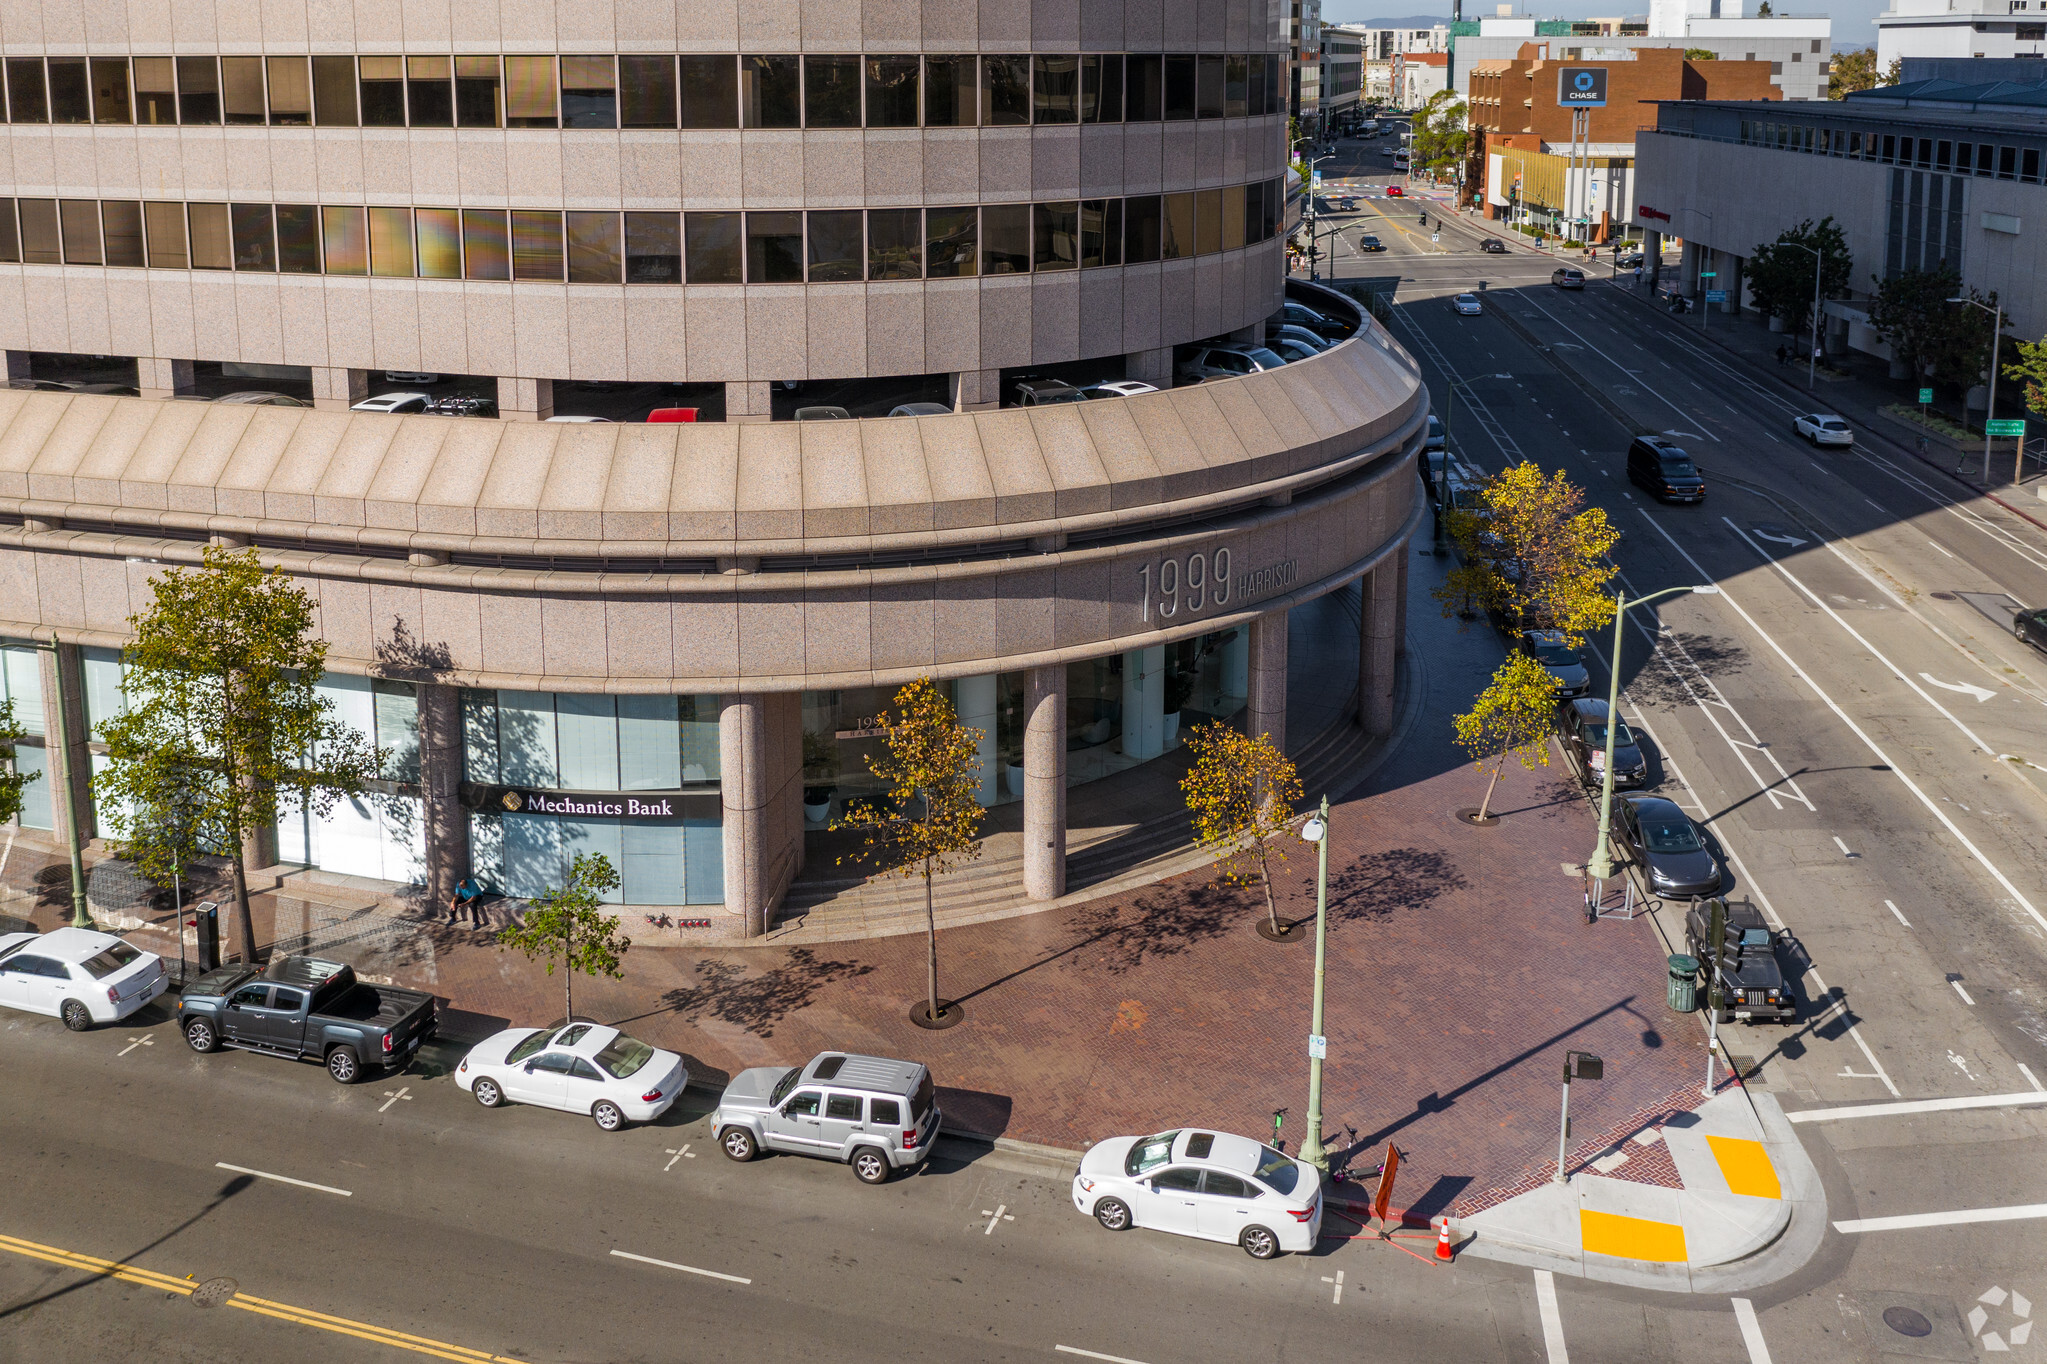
x,y
1467,305
1204,1184
580,1068
1823,428
79,975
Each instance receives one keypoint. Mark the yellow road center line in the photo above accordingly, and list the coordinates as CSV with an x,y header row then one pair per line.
x,y
301,1316
1746,1166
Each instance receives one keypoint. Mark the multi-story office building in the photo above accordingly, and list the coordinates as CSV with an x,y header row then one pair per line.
x,y
1799,48
1961,28
1343,75
1304,30
661,641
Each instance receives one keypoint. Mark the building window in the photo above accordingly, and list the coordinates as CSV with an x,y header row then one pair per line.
x,y
1101,232
1177,238
951,243
1181,93
529,93
595,253
1055,86
1101,89
2007,163
333,91
1005,239
1233,223
156,90
212,244
831,92
391,243
951,86
163,225
1005,91
254,236
537,244
10,240
27,99
771,91
712,251
589,92
298,239
79,221
646,91
895,243
291,92
892,92
486,244
479,93
383,91
653,248
430,90
70,92
710,92
341,232
439,232
1209,85
837,251
1055,236
1142,229
1143,88
110,91
2031,173
123,222
774,248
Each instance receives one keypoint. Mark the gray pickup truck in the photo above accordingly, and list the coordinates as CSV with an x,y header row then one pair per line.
x,y
308,1010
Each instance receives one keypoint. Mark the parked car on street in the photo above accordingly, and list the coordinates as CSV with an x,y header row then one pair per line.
x,y
1581,727
1467,305
578,1068
1434,440
1559,660
1823,428
394,402
1208,1185
1225,362
1493,246
2030,627
77,974
1567,277
1664,470
875,1114
1754,984
1662,839
307,1009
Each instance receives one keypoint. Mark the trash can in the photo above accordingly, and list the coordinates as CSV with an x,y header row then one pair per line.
x,y
1684,984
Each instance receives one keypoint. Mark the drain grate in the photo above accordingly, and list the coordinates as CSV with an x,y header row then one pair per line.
x,y
213,1292
1907,1322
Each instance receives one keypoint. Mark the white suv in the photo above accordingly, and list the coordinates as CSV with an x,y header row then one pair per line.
x,y
78,975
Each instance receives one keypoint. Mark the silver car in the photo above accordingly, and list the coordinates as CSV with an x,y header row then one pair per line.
x,y
875,1114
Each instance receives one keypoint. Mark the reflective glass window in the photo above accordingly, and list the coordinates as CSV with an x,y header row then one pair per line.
x,y
771,91
710,92
951,242
895,243
1055,236
334,92
1101,232
383,92
1209,85
1055,89
1006,239
10,238
163,224
291,92
712,252
831,92
346,249
438,232
254,236
950,92
1233,217
198,90
27,95
1176,239
122,221
774,248
589,92
1144,89
1142,228
1236,86
536,244
212,243
298,239
1208,221
1101,88
70,92
1005,91
391,242
653,248
479,93
646,91
837,251
241,90
596,255
430,91
79,220
892,92
1180,87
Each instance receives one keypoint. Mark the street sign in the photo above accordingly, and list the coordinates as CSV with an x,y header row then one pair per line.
x,y
1925,395
1318,1047
1716,295
1709,274
1581,87
2006,427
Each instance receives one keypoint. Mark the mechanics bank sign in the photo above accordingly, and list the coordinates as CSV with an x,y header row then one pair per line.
x,y
613,807
490,799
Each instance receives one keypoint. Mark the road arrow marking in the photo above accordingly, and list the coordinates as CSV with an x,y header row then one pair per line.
x,y
1777,539
1981,694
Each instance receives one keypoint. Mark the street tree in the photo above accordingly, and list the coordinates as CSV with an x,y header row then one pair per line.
x,y
1440,137
928,821
1242,791
2029,369
12,779
222,713
1851,72
1780,274
569,927
1511,718
1948,342
1532,551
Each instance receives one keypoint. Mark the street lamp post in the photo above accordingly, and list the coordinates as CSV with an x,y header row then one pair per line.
x,y
1819,261
1600,868
1316,831
1996,334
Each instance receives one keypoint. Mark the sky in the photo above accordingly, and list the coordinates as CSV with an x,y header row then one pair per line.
x,y
1852,18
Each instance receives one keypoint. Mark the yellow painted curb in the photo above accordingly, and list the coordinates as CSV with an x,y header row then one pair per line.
x,y
1746,1166
1631,1238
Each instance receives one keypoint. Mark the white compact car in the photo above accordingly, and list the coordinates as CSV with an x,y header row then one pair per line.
x,y
1205,1184
79,975
394,402
1119,388
580,1068
1467,305
1823,428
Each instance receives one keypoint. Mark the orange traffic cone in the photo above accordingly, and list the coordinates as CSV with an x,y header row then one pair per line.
x,y
1443,1251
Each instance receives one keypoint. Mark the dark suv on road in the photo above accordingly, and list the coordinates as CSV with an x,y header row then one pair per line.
x,y
1755,985
1664,470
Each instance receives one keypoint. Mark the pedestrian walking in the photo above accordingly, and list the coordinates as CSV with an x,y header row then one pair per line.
x,y
1783,355
1638,277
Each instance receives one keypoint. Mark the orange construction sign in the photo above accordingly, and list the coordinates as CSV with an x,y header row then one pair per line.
x,y
1383,1198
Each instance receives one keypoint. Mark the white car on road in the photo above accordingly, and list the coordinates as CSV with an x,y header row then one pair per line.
x,y
580,1068
1823,428
1467,305
1204,1184
79,975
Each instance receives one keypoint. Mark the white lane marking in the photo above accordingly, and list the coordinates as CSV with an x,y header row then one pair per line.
x,y
1090,1354
1910,1106
1337,1298
1961,1217
143,1041
2031,1078
1981,694
1937,545
674,1154
686,1269
1900,913
392,1096
1751,1331
1956,981
1842,846
1552,1320
281,1179
1001,1214
1859,732
1779,540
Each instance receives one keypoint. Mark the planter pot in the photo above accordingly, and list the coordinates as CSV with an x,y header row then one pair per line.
x,y
817,814
1172,729
1014,775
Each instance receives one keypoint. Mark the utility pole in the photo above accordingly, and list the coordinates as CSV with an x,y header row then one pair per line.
x,y
1316,831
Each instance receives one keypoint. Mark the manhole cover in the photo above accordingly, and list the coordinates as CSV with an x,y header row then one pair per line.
x,y
214,1292
1903,1320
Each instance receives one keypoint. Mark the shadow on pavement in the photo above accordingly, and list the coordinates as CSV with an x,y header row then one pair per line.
x,y
227,1191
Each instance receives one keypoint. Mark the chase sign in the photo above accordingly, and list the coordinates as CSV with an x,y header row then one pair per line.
x,y
1581,87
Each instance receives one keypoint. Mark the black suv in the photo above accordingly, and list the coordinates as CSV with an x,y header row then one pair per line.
x,y
1581,725
1664,470
1494,246
1755,985
2031,626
